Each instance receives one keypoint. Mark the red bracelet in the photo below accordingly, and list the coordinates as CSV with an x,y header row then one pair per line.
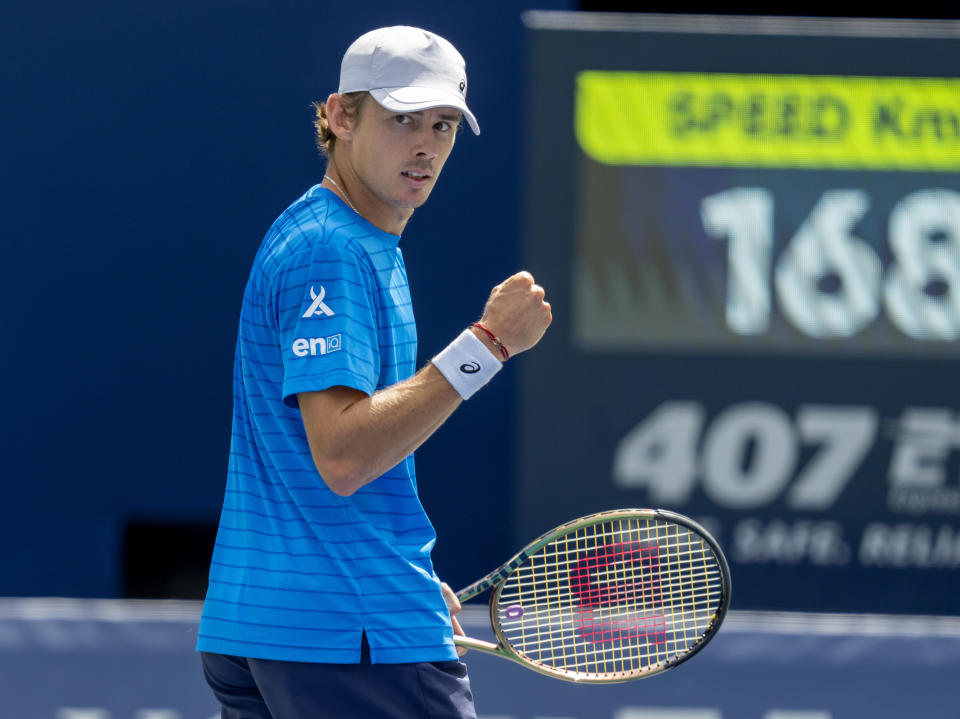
x,y
495,340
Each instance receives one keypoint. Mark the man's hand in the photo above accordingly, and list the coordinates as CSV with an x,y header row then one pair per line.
x,y
453,604
516,313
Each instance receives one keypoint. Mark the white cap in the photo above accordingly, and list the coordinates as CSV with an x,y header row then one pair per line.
x,y
407,69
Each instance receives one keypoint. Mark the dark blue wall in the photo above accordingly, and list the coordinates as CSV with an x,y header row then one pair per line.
x,y
146,148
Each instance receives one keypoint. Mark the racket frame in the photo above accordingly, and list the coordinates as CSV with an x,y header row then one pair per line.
x,y
497,577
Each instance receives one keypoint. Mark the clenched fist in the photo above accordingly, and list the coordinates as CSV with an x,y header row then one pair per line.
x,y
517,313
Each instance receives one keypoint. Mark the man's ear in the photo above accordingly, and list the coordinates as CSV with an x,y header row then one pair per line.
x,y
337,119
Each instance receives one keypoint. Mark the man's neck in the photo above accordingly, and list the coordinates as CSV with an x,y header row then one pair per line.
x,y
366,204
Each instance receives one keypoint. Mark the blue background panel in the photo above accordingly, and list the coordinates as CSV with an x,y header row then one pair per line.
x,y
146,149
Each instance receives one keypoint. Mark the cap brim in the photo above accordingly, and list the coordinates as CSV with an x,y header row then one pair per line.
x,y
413,99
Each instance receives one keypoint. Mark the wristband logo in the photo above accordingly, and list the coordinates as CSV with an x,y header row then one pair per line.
x,y
470,367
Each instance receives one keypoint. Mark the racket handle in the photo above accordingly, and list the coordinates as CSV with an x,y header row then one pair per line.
x,y
478,644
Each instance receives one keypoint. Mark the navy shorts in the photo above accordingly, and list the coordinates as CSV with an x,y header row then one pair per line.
x,y
269,689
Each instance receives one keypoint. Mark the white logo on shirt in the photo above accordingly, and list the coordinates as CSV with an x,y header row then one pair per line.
x,y
319,307
313,346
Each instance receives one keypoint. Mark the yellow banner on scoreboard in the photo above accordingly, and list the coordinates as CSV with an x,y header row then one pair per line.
x,y
796,121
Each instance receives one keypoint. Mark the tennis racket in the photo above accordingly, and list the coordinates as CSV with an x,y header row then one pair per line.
x,y
609,597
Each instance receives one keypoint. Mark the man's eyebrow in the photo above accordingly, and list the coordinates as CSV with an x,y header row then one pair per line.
x,y
455,116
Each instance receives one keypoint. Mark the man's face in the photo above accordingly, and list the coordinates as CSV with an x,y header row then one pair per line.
x,y
398,156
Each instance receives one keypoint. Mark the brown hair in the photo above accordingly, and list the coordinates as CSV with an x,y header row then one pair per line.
x,y
326,140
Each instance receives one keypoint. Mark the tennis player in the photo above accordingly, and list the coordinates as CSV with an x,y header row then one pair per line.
x,y
323,600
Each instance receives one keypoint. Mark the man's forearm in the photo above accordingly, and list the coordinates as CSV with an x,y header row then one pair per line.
x,y
355,438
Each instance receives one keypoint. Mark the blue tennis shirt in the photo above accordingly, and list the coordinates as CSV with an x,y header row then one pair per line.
x,y
298,572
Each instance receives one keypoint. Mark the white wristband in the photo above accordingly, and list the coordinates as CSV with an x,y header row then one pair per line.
x,y
467,364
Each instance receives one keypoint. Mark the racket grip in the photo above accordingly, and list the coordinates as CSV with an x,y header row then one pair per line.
x,y
478,644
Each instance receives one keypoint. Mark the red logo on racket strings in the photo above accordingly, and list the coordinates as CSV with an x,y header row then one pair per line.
x,y
618,573
617,586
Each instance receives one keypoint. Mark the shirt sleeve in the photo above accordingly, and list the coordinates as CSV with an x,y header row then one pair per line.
x,y
327,323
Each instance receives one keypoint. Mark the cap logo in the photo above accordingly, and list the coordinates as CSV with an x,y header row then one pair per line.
x,y
463,86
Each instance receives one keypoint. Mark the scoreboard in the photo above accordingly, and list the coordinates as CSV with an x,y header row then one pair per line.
x,y
795,212
749,229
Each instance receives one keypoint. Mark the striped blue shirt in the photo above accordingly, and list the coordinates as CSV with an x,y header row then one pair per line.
x,y
298,572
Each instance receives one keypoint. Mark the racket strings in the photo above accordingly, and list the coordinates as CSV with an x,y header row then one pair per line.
x,y
616,598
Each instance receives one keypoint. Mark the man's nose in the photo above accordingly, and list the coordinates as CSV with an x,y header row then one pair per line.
x,y
426,145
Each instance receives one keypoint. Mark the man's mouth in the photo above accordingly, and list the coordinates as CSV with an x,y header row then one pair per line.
x,y
415,174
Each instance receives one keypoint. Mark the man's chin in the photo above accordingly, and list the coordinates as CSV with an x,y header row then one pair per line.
x,y
413,202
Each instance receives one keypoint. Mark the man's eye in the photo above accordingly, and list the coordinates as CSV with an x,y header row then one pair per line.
x,y
404,119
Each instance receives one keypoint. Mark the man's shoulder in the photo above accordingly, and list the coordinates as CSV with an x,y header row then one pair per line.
x,y
311,221
314,217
